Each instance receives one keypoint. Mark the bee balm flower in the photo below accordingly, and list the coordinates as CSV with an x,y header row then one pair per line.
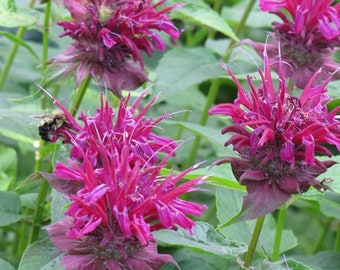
x,y
307,38
277,136
117,193
108,37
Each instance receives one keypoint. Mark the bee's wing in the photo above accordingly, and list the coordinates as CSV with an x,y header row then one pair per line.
x,y
46,115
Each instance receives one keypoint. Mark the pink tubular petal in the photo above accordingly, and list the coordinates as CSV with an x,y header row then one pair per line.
x,y
287,152
309,144
271,5
123,220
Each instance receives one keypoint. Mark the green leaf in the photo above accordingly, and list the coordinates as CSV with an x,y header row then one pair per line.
x,y
9,208
334,91
29,200
219,176
333,104
11,16
216,175
30,179
204,239
58,205
286,264
188,259
332,173
15,136
228,204
30,98
5,265
204,15
330,204
326,260
20,42
213,135
8,167
41,255
181,68
256,18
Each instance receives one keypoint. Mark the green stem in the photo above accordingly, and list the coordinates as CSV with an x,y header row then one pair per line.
x,y
80,93
41,202
216,7
279,230
239,29
253,242
179,132
214,87
13,52
22,236
45,46
46,35
38,212
321,238
337,240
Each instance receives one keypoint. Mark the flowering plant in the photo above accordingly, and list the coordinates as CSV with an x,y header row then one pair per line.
x,y
169,134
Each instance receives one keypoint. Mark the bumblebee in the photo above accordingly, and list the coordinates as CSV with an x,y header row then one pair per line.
x,y
49,124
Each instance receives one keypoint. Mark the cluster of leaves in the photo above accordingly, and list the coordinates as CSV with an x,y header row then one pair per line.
x,y
186,75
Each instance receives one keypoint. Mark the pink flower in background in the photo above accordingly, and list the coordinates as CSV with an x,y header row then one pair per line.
x,y
277,137
108,39
118,195
307,38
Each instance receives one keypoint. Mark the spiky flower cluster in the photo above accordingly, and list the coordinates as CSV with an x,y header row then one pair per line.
x,y
117,193
305,40
109,36
277,136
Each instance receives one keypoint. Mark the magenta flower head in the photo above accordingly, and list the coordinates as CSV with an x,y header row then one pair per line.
x,y
110,219
129,126
117,193
109,36
277,137
307,38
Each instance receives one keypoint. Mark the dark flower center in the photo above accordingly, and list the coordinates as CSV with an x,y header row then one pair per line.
x,y
116,248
